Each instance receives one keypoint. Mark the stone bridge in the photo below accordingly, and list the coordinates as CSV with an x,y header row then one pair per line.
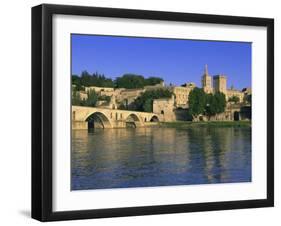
x,y
90,117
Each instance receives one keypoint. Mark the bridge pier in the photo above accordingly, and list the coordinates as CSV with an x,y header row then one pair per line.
x,y
119,124
138,124
76,125
79,125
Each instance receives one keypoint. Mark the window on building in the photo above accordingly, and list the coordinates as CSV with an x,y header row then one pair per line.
x,y
73,115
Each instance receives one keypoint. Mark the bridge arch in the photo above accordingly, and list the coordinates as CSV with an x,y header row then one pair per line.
x,y
236,116
98,120
133,120
154,118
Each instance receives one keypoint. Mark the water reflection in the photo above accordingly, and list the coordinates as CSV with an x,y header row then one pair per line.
x,y
119,158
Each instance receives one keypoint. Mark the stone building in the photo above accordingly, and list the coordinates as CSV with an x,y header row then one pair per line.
x,y
127,96
165,107
181,94
235,93
99,89
247,91
220,84
83,95
174,108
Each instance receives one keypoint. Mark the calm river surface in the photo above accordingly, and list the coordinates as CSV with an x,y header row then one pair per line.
x,y
121,158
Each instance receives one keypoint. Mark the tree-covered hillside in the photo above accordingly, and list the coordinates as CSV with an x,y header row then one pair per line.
x,y
128,81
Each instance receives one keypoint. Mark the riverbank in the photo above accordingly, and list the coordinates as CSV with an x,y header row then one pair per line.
x,y
185,124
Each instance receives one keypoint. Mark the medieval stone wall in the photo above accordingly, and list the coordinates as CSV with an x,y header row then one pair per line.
x,y
165,107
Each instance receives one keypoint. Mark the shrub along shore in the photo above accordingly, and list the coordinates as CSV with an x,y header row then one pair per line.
x,y
185,124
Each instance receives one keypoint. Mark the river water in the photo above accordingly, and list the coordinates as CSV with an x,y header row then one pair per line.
x,y
121,158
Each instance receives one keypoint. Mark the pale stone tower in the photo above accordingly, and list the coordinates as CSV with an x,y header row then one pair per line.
x,y
207,81
220,84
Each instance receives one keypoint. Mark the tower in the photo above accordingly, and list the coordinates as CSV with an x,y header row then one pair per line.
x,y
207,81
220,83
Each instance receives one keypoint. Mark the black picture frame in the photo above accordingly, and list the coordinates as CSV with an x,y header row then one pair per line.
x,y
42,108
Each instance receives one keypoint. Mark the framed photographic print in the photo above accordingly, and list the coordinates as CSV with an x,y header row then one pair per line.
x,y
145,112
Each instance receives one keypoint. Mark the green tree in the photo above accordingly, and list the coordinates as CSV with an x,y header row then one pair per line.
x,y
104,98
248,98
101,81
151,81
221,102
130,81
92,99
211,105
148,105
133,81
215,103
208,104
75,99
122,106
86,79
197,102
234,99
145,101
77,83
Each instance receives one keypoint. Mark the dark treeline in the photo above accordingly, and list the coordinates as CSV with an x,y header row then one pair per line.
x,y
87,79
132,81
128,81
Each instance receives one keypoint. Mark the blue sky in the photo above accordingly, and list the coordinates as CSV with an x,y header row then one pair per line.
x,y
176,61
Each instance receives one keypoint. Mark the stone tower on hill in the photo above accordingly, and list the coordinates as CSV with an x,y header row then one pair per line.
x,y
207,81
220,84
